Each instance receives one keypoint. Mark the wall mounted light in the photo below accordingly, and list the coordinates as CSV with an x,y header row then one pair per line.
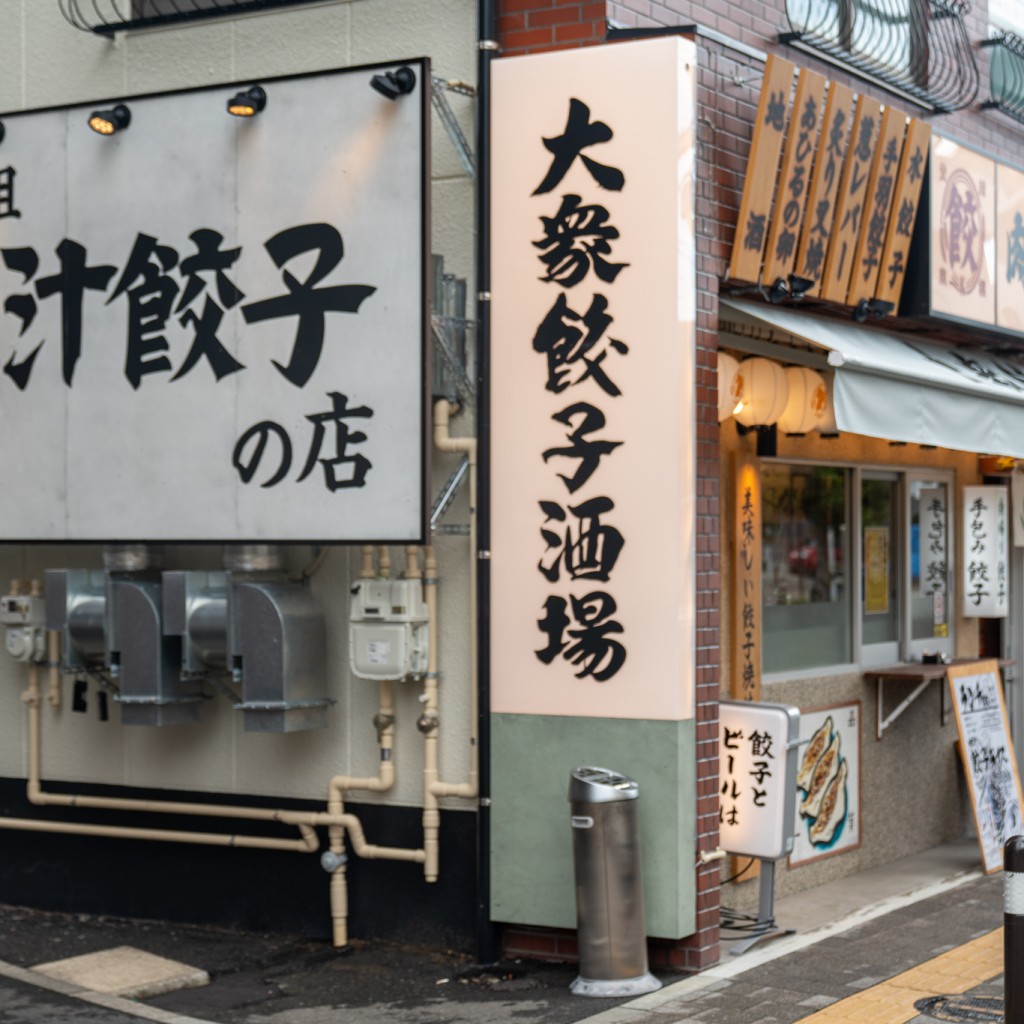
x,y
874,308
248,103
2,131
393,84
793,287
107,122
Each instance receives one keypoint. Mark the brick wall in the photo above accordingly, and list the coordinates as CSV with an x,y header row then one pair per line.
x,y
530,26
757,24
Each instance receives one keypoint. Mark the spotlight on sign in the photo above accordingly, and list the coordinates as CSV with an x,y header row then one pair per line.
x,y
107,122
876,309
393,84
248,103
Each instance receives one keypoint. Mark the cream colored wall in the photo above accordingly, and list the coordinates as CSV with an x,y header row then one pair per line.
x,y
912,792
45,62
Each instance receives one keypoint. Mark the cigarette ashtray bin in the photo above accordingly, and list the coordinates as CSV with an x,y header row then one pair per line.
x,y
609,890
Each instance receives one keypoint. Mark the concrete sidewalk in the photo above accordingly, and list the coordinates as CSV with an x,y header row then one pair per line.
x,y
867,949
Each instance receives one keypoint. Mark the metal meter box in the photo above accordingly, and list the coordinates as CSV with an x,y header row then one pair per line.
x,y
388,632
24,617
609,890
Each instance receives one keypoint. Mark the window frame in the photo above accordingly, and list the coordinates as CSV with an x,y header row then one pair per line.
x,y
905,648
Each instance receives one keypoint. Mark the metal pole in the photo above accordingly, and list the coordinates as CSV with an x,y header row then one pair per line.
x,y
1013,931
488,947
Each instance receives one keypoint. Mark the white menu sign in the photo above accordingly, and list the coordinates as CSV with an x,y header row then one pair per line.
x,y
986,543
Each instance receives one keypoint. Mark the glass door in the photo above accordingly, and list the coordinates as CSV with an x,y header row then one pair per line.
x,y
880,559
931,568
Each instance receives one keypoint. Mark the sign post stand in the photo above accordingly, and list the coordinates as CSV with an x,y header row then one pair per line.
x,y
765,926
757,754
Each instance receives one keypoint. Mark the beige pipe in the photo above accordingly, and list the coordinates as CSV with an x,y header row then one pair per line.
x,y
307,844
366,571
336,820
430,724
467,445
53,663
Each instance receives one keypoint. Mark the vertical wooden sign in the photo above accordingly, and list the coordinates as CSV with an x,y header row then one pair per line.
x,y
828,165
746,624
850,205
906,199
877,204
791,197
762,165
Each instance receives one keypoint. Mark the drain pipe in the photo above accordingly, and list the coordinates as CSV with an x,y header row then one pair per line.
x,y
487,47
444,442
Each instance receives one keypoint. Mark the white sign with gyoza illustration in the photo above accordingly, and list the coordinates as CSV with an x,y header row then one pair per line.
x,y
828,783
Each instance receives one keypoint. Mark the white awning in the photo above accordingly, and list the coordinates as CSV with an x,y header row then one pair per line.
x,y
899,388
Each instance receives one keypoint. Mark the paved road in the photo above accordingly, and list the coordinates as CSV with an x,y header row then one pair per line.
x,y
863,970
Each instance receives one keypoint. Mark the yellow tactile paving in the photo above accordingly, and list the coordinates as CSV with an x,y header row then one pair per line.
x,y
892,1001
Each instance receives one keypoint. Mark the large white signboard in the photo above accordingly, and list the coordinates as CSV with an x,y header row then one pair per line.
x,y
213,327
593,425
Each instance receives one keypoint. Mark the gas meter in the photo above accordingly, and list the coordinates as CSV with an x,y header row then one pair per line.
x,y
388,635
24,617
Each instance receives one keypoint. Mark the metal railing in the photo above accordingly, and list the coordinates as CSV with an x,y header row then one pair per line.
x,y
108,16
1006,75
917,48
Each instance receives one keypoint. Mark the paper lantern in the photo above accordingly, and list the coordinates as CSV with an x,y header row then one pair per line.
x,y
808,398
827,427
728,395
763,391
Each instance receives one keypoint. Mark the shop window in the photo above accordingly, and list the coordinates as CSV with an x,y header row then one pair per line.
x,y
919,48
855,566
804,552
879,569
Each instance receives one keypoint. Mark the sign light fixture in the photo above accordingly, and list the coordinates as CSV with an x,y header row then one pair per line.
x,y
393,84
107,122
248,103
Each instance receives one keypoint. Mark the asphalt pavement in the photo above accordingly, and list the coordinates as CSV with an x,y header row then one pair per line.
x,y
925,945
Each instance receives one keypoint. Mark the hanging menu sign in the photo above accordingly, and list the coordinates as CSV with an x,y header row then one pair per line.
x,y
759,182
985,572
746,624
853,189
933,559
